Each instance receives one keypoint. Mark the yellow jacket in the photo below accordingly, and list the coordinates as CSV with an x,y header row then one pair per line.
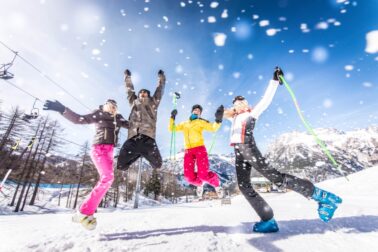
x,y
193,131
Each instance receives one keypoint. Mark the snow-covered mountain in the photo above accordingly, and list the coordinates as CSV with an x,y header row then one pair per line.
x,y
298,153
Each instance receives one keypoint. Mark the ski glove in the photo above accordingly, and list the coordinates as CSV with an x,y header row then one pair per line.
x,y
54,105
277,72
127,72
173,114
219,114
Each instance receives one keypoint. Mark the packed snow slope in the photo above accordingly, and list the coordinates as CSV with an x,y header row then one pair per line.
x,y
209,226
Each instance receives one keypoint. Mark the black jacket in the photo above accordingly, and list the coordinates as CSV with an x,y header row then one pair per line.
x,y
107,126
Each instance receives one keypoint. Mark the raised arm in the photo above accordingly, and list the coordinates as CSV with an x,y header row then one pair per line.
x,y
268,95
160,88
79,119
212,127
131,96
178,127
69,114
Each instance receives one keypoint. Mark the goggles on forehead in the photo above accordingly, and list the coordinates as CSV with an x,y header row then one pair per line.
x,y
238,98
113,102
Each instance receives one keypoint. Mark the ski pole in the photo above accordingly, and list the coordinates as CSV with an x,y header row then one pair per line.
x,y
309,129
176,96
212,142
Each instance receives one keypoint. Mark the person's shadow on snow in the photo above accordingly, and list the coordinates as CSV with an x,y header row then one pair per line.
x,y
264,242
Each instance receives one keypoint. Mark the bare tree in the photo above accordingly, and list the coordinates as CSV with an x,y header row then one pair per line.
x,y
84,160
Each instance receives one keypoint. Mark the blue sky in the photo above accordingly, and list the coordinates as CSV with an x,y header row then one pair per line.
x,y
86,45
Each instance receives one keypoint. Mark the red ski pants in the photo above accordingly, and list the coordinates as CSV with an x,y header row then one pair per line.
x,y
198,155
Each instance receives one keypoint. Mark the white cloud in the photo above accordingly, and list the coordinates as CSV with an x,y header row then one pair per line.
x,y
372,42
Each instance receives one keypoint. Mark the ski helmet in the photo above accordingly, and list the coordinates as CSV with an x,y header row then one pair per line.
x,y
197,106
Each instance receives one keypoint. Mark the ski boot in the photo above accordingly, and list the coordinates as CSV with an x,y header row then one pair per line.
x,y
199,191
220,191
87,221
327,203
269,226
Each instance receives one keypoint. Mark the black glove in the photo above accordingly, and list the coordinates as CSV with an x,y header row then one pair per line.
x,y
161,72
219,114
54,105
173,114
277,72
127,72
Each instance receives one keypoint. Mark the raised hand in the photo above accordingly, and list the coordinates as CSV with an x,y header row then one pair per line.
x,y
54,105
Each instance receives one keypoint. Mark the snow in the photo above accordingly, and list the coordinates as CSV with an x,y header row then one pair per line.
x,y
271,32
367,84
349,67
319,54
372,42
304,28
96,51
210,226
211,19
224,14
264,23
322,26
214,5
220,39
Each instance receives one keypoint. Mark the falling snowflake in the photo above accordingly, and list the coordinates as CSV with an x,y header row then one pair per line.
x,y
220,39
264,23
214,5
211,19
224,14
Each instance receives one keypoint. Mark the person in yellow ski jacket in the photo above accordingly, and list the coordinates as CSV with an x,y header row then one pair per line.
x,y
195,150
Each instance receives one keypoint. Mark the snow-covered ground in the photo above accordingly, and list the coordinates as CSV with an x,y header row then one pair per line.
x,y
209,226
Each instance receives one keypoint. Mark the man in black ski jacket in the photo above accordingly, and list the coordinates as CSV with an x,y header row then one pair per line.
x,y
142,124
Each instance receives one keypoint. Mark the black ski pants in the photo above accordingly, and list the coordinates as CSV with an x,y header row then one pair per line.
x,y
136,147
248,156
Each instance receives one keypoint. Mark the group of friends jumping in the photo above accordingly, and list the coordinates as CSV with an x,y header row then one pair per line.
x,y
141,142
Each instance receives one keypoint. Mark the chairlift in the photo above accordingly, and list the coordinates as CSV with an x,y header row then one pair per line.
x,y
4,73
34,113
17,143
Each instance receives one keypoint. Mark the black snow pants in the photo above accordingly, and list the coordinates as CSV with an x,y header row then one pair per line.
x,y
248,156
139,146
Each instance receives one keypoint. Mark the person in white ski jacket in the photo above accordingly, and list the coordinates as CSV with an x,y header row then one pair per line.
x,y
247,156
